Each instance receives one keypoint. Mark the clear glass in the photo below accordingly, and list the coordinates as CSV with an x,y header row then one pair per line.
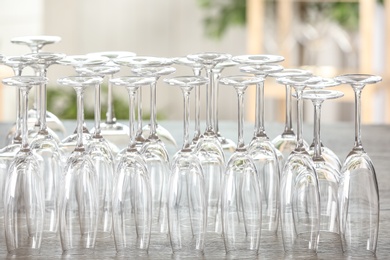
x,y
24,204
79,205
328,177
358,190
187,212
132,192
287,141
299,189
241,190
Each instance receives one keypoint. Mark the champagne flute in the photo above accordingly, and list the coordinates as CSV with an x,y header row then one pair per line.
x,y
187,213
24,203
358,189
132,196
241,191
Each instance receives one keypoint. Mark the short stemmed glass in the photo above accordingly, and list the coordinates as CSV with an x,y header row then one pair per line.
x,y
197,70
45,143
328,175
299,189
157,158
287,141
241,190
78,200
24,203
112,130
132,194
187,213
358,189
266,157
210,152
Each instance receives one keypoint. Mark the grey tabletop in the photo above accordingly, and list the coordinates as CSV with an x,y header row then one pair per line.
x,y
339,137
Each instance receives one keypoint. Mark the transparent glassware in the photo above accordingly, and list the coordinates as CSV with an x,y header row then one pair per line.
x,y
299,189
78,203
328,176
265,156
187,213
24,204
45,144
197,70
68,144
157,159
36,43
287,141
147,61
112,130
241,190
209,151
132,194
358,189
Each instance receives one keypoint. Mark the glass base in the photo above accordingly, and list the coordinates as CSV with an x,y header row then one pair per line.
x,y
78,251
24,251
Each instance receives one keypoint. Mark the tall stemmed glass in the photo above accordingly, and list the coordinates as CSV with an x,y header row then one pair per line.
x,y
197,70
328,176
287,141
132,196
299,190
36,43
68,144
140,62
267,159
79,205
45,144
210,152
358,189
157,158
241,191
187,212
24,204
112,130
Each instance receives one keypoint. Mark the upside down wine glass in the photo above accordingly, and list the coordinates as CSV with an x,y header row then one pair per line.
x,y
79,205
132,196
187,213
24,203
358,189
241,190
299,190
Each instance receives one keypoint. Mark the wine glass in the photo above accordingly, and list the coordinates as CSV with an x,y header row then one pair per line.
x,y
147,61
299,189
132,194
24,203
287,141
157,158
358,189
197,69
68,144
328,175
241,191
187,213
78,202
112,130
210,153
45,143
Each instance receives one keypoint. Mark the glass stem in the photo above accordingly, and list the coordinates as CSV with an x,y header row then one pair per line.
x,y
358,141
139,114
132,131
110,115
216,76
186,96
24,107
259,121
37,102
80,118
209,127
288,129
197,72
153,112
240,96
300,146
18,133
317,130
97,133
42,105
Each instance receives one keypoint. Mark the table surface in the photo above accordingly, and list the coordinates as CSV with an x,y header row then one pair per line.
x,y
339,137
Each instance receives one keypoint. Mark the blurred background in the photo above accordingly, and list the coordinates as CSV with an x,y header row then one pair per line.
x,y
327,37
